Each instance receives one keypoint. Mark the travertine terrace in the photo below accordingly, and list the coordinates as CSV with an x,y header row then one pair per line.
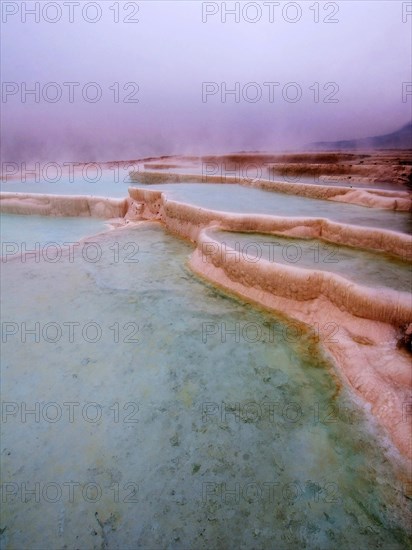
x,y
372,321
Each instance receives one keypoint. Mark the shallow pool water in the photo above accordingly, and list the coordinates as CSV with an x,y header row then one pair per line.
x,y
166,414
263,173
363,267
29,230
238,198
229,197
98,182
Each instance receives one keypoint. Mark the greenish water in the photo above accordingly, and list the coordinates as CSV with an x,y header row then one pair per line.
x,y
229,197
206,439
28,230
257,173
363,267
100,183
238,198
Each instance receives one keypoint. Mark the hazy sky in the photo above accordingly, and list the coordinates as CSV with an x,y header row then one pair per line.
x,y
296,77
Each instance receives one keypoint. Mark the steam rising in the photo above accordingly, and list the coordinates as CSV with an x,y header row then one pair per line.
x,y
170,53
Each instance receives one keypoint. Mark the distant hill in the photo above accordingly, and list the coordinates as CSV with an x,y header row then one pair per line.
x,y
401,139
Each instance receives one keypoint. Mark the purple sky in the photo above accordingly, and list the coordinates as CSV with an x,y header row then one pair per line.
x,y
170,52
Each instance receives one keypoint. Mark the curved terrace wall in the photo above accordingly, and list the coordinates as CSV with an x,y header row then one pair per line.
x,y
62,205
365,353
372,198
187,220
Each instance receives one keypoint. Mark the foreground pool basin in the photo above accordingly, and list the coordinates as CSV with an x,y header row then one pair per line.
x,y
195,419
